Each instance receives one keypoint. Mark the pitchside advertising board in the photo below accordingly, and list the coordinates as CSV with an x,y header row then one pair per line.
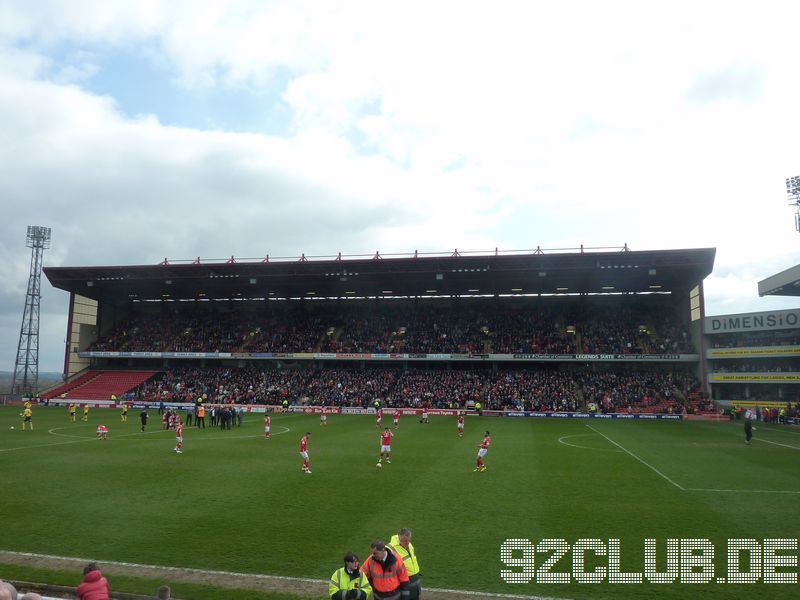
x,y
619,358
759,321
574,415
357,410
352,410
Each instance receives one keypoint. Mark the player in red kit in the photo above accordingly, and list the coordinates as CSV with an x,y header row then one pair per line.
x,y
178,435
460,425
482,450
396,418
386,445
323,416
267,424
378,417
304,451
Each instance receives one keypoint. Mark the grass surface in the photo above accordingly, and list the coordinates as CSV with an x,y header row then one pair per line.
x,y
235,502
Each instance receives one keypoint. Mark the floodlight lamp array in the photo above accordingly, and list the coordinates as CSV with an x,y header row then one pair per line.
x,y
38,237
793,188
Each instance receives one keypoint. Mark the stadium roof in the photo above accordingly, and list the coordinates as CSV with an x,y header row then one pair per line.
x,y
569,271
785,283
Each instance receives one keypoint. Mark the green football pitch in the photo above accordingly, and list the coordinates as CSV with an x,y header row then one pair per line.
x,y
236,502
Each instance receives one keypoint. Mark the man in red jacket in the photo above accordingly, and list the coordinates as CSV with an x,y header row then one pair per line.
x,y
386,573
94,585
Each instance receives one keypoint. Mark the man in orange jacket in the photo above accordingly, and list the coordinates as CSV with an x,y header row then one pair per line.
x,y
386,573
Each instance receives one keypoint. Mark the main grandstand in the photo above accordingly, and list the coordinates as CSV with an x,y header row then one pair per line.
x,y
606,329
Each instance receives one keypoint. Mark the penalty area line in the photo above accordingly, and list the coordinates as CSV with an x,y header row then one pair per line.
x,y
649,466
255,576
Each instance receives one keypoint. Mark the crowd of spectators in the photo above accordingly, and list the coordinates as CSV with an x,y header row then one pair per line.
x,y
294,330
363,331
529,389
614,391
515,331
629,331
444,328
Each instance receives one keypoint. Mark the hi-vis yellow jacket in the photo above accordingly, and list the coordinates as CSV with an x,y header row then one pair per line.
x,y
342,582
409,556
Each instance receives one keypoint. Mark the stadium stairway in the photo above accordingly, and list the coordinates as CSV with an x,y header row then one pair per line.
x,y
103,384
70,385
699,405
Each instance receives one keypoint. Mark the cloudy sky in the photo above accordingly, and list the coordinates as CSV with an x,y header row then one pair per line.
x,y
139,130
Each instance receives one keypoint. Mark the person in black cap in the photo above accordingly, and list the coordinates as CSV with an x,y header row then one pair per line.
x,y
349,583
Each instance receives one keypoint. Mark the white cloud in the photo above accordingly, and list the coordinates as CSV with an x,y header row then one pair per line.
x,y
413,125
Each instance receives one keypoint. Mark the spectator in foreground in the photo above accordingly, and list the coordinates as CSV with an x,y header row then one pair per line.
x,y
31,596
349,583
94,585
7,591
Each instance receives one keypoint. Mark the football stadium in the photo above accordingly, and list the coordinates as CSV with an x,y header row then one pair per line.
x,y
566,424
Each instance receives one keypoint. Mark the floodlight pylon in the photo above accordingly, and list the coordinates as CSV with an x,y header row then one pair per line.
x,y
26,368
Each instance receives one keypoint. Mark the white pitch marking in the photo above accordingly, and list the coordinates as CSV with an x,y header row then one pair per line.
x,y
742,491
718,490
564,437
763,428
259,576
46,445
680,487
778,444
55,429
82,439
242,437
761,439
138,434
91,437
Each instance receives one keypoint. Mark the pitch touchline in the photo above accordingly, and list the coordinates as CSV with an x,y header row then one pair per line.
x,y
84,439
762,428
649,466
743,491
680,487
752,491
321,582
778,444
45,445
